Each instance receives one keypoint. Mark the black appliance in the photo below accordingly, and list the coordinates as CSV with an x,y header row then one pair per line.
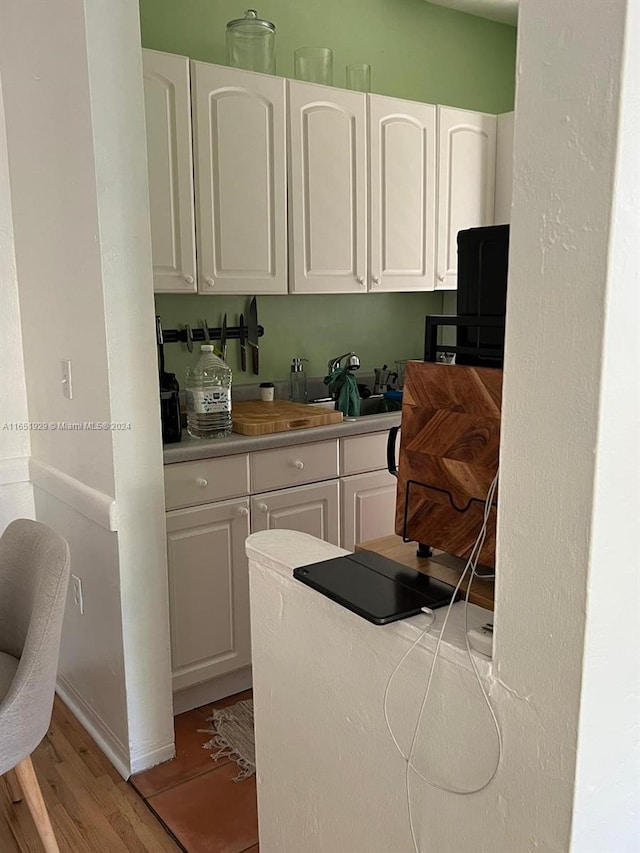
x,y
483,256
170,408
483,259
169,395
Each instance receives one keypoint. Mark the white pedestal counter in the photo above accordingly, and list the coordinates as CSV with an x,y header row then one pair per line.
x,y
330,779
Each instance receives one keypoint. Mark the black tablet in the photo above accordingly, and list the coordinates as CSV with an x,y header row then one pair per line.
x,y
374,587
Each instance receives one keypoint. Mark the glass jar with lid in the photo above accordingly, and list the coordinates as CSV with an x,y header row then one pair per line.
x,y
251,43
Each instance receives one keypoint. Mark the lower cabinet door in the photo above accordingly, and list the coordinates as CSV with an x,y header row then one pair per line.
x,y
208,591
368,507
310,509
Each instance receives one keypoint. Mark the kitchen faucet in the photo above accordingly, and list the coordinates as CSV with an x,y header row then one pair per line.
x,y
352,364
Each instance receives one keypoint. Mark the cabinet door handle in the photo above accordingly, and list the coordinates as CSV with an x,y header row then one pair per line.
x,y
188,279
263,508
209,282
202,482
376,279
441,277
243,511
298,464
360,280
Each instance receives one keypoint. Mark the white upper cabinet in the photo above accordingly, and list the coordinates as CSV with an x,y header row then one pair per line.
x,y
240,163
167,105
504,169
466,183
327,189
402,150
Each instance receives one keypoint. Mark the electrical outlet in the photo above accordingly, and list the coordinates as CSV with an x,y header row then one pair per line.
x,y
67,388
77,593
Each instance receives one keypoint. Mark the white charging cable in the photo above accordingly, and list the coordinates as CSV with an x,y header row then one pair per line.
x,y
472,563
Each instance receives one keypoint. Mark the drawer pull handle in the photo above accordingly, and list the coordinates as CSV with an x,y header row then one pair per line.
x,y
263,508
298,464
243,511
202,482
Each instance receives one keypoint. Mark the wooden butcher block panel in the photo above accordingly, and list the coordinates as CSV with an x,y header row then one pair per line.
x,y
449,447
255,417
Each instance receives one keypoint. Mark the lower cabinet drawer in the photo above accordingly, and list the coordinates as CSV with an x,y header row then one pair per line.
x,y
206,480
293,466
360,453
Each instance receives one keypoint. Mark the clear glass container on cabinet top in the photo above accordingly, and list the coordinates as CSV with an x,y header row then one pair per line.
x,y
251,43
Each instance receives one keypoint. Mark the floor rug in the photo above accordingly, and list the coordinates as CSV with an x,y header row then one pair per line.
x,y
232,730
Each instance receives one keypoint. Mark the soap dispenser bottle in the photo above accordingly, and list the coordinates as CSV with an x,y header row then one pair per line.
x,y
298,381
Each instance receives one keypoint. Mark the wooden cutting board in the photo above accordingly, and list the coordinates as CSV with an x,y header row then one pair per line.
x,y
253,417
449,447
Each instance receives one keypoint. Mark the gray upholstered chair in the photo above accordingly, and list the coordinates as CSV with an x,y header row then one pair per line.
x,y
34,574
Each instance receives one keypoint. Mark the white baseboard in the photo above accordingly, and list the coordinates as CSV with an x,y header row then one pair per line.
x,y
211,691
150,759
107,741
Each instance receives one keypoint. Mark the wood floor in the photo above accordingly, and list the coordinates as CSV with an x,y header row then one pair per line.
x,y
92,809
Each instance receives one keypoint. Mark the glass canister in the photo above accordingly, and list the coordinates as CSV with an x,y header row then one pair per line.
x,y
251,43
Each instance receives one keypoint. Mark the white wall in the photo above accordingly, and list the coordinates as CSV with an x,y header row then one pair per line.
x,y
117,111
565,679
75,129
16,493
607,800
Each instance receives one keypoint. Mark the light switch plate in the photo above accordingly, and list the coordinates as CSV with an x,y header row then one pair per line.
x,y
67,388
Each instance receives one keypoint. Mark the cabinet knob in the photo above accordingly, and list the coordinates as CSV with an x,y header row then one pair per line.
x,y
243,511
440,277
202,482
376,279
263,508
188,279
209,282
298,464
360,280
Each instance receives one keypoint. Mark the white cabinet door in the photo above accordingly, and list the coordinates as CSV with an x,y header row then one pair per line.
x,y
466,183
327,189
368,507
208,591
402,194
309,509
167,104
504,169
240,154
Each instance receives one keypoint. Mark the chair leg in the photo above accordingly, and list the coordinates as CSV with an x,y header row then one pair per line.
x,y
14,788
33,795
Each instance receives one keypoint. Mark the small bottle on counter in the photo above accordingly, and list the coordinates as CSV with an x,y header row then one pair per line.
x,y
298,381
267,390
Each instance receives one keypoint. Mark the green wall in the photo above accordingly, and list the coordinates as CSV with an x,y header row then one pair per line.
x,y
417,51
379,327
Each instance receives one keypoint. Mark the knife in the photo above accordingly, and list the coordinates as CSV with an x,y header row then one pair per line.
x,y
243,348
253,335
223,338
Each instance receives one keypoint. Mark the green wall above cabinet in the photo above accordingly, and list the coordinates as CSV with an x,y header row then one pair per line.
x,y
416,50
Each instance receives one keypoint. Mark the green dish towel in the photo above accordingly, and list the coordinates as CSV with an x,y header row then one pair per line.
x,y
342,384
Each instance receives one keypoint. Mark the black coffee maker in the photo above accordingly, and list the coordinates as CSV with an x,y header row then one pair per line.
x,y
169,396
